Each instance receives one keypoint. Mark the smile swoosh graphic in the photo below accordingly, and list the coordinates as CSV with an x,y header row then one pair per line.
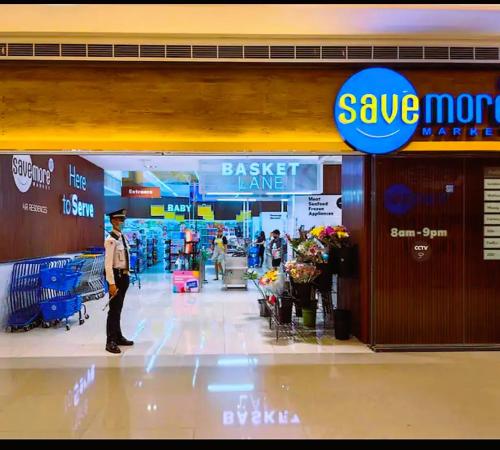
x,y
374,136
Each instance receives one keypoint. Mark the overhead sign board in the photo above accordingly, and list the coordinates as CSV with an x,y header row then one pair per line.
x,y
141,192
378,110
259,176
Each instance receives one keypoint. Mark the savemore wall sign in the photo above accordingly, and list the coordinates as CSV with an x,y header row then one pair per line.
x,y
378,110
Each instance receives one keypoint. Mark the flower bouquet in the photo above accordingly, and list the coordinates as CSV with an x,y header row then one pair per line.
x,y
302,275
311,251
329,236
273,282
301,272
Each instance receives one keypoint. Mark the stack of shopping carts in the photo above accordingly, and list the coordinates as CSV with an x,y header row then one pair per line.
x,y
25,292
92,284
49,290
59,301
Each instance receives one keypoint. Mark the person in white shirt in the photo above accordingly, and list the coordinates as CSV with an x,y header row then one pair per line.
x,y
117,268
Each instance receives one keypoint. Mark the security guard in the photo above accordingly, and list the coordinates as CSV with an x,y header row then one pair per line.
x,y
117,266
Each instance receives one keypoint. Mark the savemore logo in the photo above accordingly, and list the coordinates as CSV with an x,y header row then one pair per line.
x,y
377,111
27,174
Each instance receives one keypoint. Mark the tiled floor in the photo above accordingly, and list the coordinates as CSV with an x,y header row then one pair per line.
x,y
215,321
260,396
205,366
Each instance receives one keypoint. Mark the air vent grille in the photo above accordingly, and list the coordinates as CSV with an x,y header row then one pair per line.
x,y
411,52
47,50
461,53
231,51
100,50
126,51
178,51
204,51
359,52
256,51
275,53
75,50
333,52
385,53
283,52
308,52
436,53
152,51
20,49
483,53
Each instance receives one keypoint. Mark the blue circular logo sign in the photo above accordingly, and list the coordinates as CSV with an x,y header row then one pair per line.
x,y
399,199
377,111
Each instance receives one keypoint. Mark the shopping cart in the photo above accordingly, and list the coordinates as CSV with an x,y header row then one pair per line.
x,y
58,298
92,284
25,292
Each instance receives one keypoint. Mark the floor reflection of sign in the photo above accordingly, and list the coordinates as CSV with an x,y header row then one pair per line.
x,y
421,251
257,414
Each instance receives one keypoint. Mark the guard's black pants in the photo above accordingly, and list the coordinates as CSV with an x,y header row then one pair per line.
x,y
113,328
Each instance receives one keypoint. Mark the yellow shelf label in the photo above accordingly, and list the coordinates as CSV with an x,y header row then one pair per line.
x,y
157,210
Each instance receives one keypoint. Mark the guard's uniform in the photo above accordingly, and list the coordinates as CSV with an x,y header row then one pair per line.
x,y
117,266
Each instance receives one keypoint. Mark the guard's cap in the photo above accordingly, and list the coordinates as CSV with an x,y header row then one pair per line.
x,y
120,214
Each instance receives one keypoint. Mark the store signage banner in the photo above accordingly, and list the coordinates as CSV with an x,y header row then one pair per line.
x,y
378,110
315,210
46,198
141,192
256,176
71,204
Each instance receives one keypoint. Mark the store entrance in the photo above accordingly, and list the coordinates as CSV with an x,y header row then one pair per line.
x,y
211,239
177,205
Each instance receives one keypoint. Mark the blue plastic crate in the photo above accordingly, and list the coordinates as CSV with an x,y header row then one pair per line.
x,y
59,279
59,308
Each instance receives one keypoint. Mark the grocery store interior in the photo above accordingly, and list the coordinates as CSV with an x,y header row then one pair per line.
x,y
175,205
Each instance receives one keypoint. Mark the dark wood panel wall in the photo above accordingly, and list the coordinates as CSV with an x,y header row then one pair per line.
x,y
482,280
26,233
332,179
354,293
448,294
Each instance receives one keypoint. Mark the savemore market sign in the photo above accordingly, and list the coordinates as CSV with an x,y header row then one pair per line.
x,y
378,110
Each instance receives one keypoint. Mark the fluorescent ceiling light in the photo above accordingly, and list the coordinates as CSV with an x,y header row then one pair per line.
x,y
229,193
290,193
236,199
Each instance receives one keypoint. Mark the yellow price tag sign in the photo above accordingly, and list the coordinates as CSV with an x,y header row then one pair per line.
x,y
157,210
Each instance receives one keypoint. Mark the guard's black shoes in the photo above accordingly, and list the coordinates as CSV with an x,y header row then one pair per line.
x,y
124,341
111,347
